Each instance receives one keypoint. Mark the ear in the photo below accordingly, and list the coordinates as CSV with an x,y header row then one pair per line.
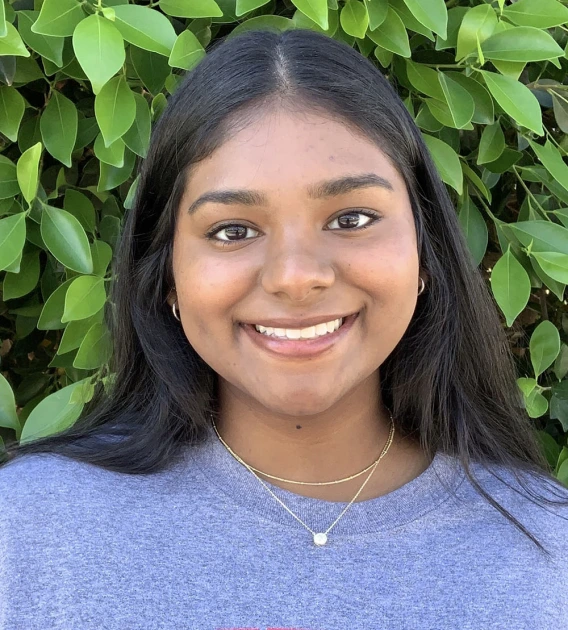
x,y
172,297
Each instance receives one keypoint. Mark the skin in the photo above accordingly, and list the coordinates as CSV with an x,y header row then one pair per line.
x,y
307,419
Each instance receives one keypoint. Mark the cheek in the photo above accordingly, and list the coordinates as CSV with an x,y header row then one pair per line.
x,y
387,268
207,290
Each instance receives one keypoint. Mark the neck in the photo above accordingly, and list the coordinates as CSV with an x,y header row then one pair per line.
x,y
324,447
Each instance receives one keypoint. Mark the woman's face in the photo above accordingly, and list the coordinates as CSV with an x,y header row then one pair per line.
x,y
317,226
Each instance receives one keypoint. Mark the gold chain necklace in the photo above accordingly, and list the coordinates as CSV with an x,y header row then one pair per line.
x,y
319,538
301,483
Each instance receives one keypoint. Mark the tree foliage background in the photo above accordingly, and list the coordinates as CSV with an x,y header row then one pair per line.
x,y
82,81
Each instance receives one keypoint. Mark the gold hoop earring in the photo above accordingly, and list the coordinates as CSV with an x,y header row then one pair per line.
x,y
423,285
174,305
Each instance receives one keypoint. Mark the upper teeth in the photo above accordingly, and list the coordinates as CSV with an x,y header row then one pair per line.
x,y
301,333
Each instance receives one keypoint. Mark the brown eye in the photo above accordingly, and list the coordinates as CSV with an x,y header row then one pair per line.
x,y
353,220
233,232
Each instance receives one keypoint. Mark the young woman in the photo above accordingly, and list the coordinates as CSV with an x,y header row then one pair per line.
x,y
314,421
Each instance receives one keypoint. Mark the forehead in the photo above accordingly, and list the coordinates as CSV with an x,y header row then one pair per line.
x,y
282,148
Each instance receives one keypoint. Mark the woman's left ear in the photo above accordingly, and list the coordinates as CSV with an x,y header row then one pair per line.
x,y
172,297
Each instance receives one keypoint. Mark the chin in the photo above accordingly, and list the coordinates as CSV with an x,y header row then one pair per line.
x,y
296,405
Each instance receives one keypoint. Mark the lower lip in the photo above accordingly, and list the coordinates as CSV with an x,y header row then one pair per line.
x,y
299,347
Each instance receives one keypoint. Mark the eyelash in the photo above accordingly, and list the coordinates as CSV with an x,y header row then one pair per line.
x,y
368,213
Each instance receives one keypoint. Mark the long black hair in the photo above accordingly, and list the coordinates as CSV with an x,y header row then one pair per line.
x,y
451,380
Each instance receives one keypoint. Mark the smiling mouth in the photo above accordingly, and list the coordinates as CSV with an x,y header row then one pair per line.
x,y
310,332
289,342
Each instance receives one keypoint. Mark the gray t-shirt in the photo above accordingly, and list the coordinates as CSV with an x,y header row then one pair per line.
x,y
204,546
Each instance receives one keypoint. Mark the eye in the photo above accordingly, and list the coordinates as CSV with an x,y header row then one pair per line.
x,y
233,232
354,220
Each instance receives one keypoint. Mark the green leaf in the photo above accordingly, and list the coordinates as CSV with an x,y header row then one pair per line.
x,y
109,229
542,236
424,79
49,47
84,393
152,69
12,44
354,18
560,106
484,111
271,22
113,154
3,29
552,161
187,51
112,177
553,264
245,6
115,109
408,19
26,70
511,286
75,332
544,346
85,297
58,18
538,13
316,10
455,17
12,106
516,100
102,255
203,8
95,349
81,207
12,238
137,138
8,415
27,171
447,162
58,125
99,47
431,13
536,405
14,267
86,132
65,238
146,28
377,10
18,284
300,20
52,312
459,102
478,185
492,143
477,25
392,35
53,414
549,445
523,44
474,229
8,178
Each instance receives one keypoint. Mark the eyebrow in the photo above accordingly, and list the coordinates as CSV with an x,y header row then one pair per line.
x,y
320,190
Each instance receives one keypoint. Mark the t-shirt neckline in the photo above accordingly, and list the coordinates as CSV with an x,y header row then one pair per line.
x,y
403,505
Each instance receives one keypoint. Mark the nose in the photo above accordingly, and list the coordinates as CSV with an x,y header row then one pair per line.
x,y
297,267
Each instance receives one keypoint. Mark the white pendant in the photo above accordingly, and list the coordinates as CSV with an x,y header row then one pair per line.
x,y
320,539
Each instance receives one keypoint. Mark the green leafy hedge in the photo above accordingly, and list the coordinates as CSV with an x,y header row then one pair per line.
x,y
81,82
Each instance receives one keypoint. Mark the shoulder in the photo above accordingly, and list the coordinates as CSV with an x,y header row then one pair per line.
x,y
34,480
42,477
536,500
